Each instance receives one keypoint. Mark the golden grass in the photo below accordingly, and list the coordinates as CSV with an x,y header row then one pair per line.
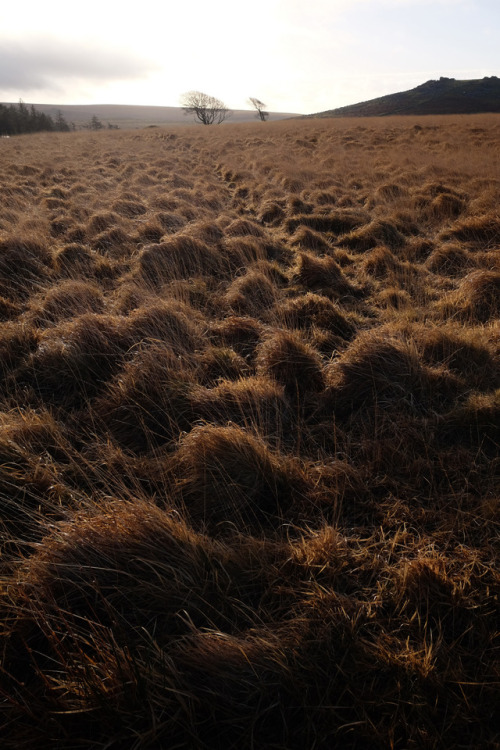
x,y
249,436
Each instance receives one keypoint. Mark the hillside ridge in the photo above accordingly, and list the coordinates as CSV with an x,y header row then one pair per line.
x,y
446,96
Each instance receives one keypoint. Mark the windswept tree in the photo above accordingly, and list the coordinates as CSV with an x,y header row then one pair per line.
x,y
206,109
260,108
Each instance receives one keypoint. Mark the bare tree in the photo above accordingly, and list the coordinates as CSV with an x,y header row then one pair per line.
x,y
259,106
206,109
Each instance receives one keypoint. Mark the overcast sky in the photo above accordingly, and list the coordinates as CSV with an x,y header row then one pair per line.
x,y
295,55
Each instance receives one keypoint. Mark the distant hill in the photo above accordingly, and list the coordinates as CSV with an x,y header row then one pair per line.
x,y
444,97
131,116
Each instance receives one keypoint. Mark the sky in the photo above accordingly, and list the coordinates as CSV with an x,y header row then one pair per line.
x,y
300,56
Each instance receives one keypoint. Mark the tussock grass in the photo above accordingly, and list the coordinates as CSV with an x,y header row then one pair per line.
x,y
249,409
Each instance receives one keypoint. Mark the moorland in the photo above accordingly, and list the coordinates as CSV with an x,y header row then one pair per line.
x,y
249,409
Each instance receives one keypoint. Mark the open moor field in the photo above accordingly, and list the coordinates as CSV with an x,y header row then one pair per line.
x,y
249,445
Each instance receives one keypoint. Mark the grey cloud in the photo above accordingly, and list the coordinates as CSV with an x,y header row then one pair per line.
x,y
42,62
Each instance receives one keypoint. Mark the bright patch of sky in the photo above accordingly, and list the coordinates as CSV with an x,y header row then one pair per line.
x,y
294,56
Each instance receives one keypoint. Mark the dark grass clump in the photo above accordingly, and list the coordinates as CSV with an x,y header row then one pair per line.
x,y
294,364
310,310
207,231
17,342
309,240
127,587
66,300
464,354
181,257
252,294
150,403
393,298
170,222
449,260
170,322
218,363
102,221
74,360
484,230
480,291
114,555
323,275
256,403
447,206
271,213
243,228
74,260
378,232
157,624
129,208
385,373
150,231
242,252
390,192
31,490
474,423
380,262
25,265
115,242
241,333
227,476
477,299
334,223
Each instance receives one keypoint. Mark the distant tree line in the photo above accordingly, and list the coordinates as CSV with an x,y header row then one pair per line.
x,y
19,118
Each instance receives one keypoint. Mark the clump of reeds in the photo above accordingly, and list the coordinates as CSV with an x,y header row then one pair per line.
x,y
257,403
323,275
74,360
74,260
218,363
309,240
477,299
239,332
449,259
150,403
380,262
172,323
25,264
228,476
464,353
337,223
385,372
181,257
308,310
251,294
474,423
476,229
271,213
375,233
292,363
66,300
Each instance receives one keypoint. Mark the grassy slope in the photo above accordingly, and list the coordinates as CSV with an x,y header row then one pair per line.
x,y
447,96
249,409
